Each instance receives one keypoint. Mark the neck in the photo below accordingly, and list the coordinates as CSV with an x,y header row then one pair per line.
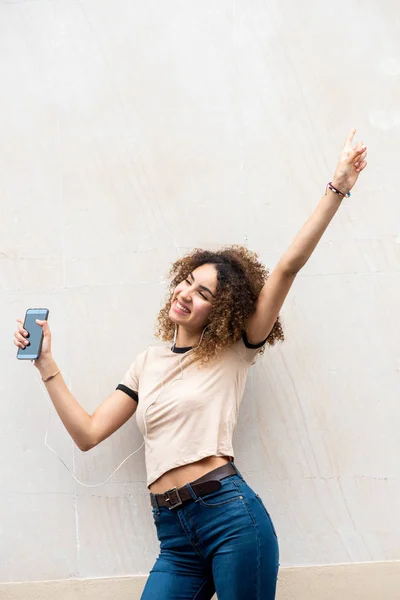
x,y
185,339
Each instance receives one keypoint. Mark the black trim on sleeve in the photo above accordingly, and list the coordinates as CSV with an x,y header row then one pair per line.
x,y
252,346
126,390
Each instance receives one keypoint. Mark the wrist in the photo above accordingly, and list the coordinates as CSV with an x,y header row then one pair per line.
x,y
46,366
341,185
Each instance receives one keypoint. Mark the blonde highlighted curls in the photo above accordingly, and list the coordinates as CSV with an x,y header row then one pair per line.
x,y
240,277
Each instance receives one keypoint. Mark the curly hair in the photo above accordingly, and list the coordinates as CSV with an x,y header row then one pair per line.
x,y
240,277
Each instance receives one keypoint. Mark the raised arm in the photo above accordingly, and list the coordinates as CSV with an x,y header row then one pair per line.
x,y
351,162
85,429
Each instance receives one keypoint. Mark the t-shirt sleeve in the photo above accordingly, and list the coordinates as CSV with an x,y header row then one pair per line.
x,y
130,381
248,351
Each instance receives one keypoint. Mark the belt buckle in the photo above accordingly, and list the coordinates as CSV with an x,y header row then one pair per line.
x,y
177,497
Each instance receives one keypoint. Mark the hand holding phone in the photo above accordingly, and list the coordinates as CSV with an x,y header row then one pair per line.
x,y
31,337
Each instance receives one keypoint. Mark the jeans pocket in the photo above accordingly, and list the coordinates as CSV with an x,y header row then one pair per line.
x,y
267,513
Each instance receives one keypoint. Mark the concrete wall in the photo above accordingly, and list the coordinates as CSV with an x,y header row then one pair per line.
x,y
132,131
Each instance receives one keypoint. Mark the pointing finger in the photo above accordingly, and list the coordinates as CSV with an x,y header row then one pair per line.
x,y
350,137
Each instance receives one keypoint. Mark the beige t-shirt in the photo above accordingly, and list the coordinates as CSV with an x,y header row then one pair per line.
x,y
187,412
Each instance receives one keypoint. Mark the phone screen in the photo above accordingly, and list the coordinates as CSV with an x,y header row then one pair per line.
x,y
35,338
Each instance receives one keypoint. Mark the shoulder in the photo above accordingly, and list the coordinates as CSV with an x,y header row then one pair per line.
x,y
150,353
157,353
244,350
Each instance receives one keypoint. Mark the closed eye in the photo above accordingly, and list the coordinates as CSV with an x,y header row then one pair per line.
x,y
201,293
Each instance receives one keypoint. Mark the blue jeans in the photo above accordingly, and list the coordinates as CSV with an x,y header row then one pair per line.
x,y
224,542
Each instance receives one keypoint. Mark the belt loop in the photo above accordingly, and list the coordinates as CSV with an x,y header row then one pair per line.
x,y
154,501
237,470
191,490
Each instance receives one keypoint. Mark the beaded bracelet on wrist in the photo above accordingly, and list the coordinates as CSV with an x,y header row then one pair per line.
x,y
336,191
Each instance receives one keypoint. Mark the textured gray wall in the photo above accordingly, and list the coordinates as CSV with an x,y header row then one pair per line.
x,y
133,131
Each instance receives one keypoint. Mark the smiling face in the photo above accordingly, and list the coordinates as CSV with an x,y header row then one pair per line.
x,y
193,298
235,276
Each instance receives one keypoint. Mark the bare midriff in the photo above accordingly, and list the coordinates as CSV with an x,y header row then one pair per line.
x,y
182,475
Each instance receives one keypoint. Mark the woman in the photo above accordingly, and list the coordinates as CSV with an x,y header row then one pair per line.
x,y
215,533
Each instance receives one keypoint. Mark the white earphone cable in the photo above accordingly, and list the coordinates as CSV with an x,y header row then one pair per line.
x,y
93,485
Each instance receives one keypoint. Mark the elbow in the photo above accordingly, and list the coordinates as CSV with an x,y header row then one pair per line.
x,y
86,440
84,446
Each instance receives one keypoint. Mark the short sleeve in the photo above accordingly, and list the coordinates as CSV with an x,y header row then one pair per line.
x,y
246,350
130,382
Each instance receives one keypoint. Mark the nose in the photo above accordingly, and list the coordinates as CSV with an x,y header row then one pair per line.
x,y
186,295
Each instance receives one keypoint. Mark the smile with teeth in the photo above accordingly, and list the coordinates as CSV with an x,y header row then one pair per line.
x,y
178,305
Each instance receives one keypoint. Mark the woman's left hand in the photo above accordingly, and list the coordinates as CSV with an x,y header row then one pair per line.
x,y
351,162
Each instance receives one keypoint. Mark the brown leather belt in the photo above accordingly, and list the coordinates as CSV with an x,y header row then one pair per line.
x,y
210,482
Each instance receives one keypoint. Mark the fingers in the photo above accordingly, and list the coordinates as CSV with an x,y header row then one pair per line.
x,y
45,327
360,157
350,138
21,328
21,342
21,335
41,323
360,148
350,153
20,338
362,166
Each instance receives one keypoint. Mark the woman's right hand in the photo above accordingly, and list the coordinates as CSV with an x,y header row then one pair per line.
x,y
21,340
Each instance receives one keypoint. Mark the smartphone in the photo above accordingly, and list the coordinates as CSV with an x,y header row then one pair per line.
x,y
32,352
